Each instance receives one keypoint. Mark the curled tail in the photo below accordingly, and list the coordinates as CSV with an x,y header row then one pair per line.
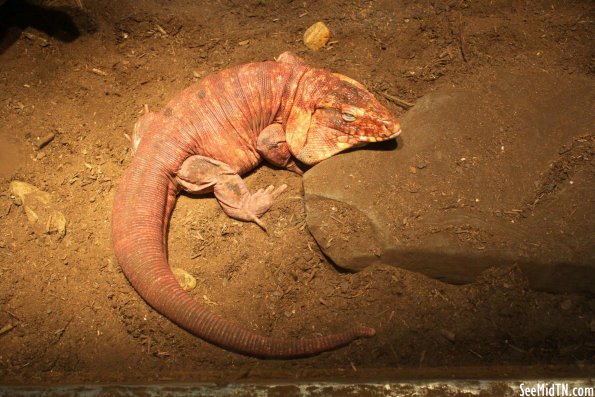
x,y
141,213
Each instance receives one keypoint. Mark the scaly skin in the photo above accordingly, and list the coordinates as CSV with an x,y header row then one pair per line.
x,y
204,139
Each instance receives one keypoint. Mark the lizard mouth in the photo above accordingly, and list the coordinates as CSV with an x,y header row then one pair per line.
x,y
359,139
364,138
389,130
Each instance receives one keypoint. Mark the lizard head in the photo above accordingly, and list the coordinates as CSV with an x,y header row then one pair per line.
x,y
334,114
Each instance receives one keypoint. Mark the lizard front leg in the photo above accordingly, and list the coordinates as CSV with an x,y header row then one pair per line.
x,y
200,174
271,145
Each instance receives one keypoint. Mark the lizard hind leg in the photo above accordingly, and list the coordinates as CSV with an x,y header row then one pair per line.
x,y
200,174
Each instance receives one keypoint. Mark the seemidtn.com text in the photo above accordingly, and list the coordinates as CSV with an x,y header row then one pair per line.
x,y
540,389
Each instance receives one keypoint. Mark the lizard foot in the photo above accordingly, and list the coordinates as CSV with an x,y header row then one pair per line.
x,y
199,174
253,206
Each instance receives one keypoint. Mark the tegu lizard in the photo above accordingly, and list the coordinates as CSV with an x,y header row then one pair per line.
x,y
202,141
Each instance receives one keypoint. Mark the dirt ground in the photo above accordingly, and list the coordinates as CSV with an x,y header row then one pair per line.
x,y
83,71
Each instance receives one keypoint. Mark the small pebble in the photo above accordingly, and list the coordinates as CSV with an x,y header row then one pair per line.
x,y
316,36
566,304
44,140
185,279
449,335
198,74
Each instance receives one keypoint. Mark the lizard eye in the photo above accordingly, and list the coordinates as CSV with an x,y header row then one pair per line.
x,y
348,117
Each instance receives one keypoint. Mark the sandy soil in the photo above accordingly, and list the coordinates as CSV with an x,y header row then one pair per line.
x,y
67,313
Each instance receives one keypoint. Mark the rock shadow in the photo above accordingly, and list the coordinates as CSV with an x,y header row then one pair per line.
x,y
61,23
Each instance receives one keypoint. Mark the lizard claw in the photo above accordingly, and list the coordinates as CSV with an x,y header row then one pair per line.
x,y
276,192
260,223
255,205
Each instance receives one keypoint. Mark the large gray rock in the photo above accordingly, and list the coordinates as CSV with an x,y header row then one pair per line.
x,y
497,175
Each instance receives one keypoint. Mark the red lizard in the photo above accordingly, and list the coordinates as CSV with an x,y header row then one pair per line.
x,y
204,139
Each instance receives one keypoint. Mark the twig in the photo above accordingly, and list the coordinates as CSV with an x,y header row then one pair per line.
x,y
98,72
476,354
338,220
398,101
422,357
462,39
161,30
516,348
311,276
6,328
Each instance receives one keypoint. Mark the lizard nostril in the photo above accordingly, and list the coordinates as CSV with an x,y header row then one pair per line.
x,y
394,127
